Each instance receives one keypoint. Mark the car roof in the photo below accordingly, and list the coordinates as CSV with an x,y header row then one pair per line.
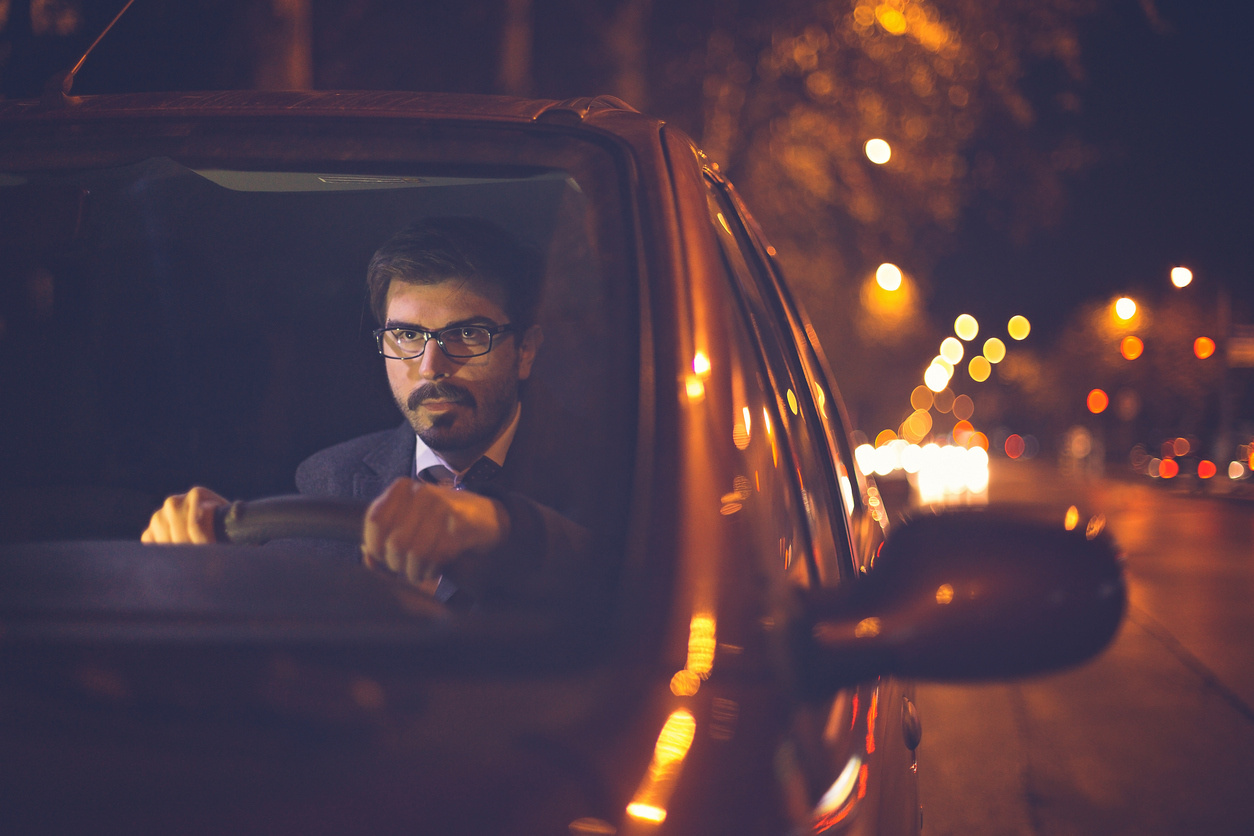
x,y
322,103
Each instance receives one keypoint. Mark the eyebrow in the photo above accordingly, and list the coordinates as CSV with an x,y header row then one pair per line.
x,y
473,320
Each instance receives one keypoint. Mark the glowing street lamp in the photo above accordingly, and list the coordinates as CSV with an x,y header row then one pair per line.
x,y
878,151
1181,276
1125,308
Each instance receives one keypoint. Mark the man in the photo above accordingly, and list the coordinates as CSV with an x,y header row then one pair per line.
x,y
457,496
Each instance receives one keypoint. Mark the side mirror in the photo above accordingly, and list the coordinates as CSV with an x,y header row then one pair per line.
x,y
969,595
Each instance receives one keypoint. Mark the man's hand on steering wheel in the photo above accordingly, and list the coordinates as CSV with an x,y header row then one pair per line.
x,y
415,528
185,518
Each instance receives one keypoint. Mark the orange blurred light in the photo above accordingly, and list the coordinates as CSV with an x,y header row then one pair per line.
x,y
1018,327
1131,348
963,432
1168,468
1098,401
1181,447
1206,469
884,437
979,439
1015,446
1203,347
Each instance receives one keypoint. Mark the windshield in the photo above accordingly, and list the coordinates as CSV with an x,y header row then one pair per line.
x,y
190,308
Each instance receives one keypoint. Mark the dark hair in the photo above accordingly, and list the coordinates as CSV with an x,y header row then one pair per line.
x,y
438,249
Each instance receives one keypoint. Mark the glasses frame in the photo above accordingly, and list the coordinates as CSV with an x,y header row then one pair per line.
x,y
493,332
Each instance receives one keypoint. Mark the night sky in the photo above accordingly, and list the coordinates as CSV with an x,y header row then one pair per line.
x,y
1171,115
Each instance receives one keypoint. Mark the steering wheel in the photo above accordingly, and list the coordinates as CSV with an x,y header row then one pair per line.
x,y
277,517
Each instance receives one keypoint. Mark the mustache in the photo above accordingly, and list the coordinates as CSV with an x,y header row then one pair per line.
x,y
439,391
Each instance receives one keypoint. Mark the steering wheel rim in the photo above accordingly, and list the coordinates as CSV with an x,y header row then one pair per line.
x,y
278,517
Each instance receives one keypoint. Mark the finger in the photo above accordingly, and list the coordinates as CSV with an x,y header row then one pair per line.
x,y
381,515
200,506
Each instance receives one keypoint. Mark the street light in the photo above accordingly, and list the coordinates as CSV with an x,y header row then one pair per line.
x,y
1181,276
1125,308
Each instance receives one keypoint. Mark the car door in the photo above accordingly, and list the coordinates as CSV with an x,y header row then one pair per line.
x,y
849,757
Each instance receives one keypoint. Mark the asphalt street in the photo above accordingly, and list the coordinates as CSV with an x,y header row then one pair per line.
x,y
1156,736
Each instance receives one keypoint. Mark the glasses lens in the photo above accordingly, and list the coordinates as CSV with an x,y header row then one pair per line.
x,y
402,344
466,341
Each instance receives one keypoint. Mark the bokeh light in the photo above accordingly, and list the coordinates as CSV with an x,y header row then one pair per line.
x,y
888,276
921,398
936,377
994,350
1018,328
1181,276
885,437
1131,347
966,327
1167,468
979,369
951,350
1181,447
964,407
1014,445
1203,347
878,151
1125,308
944,400
1097,401
1206,469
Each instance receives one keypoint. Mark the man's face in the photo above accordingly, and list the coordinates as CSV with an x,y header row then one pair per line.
x,y
457,406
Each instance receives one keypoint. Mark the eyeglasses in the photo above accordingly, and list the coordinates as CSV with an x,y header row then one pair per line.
x,y
459,342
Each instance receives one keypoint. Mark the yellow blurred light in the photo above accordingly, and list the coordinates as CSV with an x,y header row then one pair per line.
x,y
1131,347
936,377
979,368
1181,276
885,437
951,350
1203,347
701,644
966,327
888,276
1097,401
701,364
792,402
879,152
695,388
994,350
893,21
918,425
867,628
675,738
1019,327
685,683
944,594
1072,519
647,812
1125,308
921,398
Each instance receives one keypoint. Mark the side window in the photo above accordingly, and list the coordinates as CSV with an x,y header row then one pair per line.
x,y
800,430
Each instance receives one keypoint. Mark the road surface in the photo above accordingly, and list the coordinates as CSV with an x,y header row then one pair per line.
x,y
1156,736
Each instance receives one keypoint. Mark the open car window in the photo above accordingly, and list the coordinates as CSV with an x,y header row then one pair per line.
x,y
187,306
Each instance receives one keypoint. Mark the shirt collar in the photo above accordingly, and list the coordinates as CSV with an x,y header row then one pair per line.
x,y
425,457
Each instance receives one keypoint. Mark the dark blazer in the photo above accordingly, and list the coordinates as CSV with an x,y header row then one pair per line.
x,y
533,485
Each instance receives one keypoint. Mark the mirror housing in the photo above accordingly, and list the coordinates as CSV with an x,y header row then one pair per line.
x,y
968,595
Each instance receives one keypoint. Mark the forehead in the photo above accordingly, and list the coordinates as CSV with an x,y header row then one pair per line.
x,y
449,300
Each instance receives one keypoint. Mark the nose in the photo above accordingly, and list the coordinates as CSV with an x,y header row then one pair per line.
x,y
433,364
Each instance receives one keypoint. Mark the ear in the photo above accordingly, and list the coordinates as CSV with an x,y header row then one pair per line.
x,y
528,347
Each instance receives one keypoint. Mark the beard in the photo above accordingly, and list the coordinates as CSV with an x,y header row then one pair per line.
x,y
471,426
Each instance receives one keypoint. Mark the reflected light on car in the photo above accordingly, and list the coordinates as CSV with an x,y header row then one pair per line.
x,y
701,364
944,594
831,806
1071,519
673,743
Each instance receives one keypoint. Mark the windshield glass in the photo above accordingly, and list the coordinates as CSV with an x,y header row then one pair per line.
x,y
190,308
